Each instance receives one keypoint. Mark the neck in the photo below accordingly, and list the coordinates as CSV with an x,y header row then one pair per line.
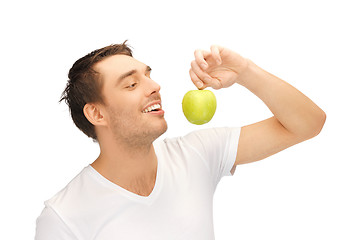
x,y
123,164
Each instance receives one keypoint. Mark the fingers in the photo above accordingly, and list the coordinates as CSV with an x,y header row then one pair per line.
x,y
216,54
204,76
201,79
198,74
200,56
216,84
197,82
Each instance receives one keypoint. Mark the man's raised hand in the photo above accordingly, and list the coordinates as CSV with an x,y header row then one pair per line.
x,y
217,68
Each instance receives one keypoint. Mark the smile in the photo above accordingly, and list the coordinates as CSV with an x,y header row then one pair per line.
x,y
154,107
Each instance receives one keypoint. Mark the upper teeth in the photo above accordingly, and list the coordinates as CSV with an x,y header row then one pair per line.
x,y
155,106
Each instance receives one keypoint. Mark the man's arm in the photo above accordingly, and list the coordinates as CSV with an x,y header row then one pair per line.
x,y
296,118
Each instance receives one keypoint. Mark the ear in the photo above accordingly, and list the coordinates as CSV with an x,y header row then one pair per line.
x,y
94,114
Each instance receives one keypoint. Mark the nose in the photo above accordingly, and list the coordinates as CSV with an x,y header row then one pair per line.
x,y
152,87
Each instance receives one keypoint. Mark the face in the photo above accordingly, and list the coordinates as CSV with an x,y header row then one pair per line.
x,y
133,107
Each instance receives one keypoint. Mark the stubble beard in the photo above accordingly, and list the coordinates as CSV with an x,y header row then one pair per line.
x,y
135,132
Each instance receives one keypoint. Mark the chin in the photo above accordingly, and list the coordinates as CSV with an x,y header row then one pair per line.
x,y
160,130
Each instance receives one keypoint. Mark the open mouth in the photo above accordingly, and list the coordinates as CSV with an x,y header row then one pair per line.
x,y
152,108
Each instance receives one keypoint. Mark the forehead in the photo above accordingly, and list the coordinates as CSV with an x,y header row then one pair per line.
x,y
112,67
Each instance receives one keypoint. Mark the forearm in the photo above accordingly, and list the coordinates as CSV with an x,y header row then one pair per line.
x,y
296,112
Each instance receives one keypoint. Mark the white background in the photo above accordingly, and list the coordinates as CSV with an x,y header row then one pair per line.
x,y
290,195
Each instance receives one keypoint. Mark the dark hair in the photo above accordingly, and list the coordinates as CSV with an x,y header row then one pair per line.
x,y
84,85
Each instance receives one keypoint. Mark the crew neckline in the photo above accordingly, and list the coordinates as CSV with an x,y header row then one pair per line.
x,y
133,196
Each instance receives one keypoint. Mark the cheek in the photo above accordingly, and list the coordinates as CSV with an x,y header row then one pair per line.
x,y
124,112
125,103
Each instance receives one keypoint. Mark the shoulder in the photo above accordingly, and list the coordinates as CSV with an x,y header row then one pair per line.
x,y
53,223
215,132
69,196
201,141
208,137
50,225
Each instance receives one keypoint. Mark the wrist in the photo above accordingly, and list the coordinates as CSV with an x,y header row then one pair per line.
x,y
248,73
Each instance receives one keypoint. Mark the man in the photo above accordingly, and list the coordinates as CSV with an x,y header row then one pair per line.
x,y
139,188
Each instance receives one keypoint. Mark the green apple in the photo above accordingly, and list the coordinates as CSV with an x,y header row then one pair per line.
x,y
199,106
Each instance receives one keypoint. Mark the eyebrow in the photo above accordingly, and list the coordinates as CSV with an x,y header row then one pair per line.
x,y
131,72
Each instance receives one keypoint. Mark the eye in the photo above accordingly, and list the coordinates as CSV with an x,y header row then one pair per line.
x,y
133,85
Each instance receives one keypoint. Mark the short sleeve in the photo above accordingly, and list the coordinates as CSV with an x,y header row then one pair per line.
x,y
217,147
49,226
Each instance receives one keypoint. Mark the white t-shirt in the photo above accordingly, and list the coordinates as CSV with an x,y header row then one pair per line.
x,y
180,206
